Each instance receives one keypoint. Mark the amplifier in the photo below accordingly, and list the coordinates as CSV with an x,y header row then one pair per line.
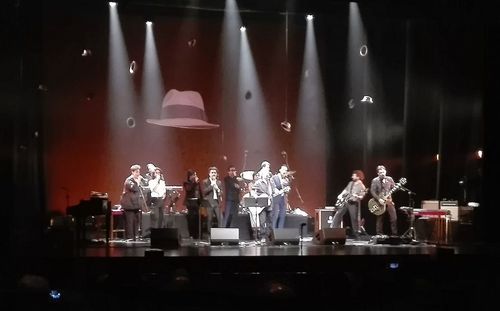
x,y
451,206
430,204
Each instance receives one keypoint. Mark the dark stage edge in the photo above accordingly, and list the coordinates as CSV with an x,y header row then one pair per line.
x,y
358,275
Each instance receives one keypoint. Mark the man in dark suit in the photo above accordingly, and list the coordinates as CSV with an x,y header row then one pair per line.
x,y
192,201
281,187
263,187
212,197
131,201
232,191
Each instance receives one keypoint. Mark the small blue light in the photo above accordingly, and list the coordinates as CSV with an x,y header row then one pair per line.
x,y
394,265
55,294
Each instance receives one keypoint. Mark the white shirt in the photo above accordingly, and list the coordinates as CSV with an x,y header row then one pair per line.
x,y
158,187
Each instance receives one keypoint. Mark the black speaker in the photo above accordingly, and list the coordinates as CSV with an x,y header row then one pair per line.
x,y
164,238
280,236
224,236
330,235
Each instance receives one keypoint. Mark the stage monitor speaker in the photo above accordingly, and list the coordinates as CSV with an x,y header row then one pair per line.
x,y
165,238
281,236
327,236
224,236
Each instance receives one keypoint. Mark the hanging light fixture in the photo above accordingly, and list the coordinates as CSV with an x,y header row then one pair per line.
x,y
285,125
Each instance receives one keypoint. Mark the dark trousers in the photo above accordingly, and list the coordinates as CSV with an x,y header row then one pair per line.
x,y
266,224
391,210
193,218
132,224
279,213
213,209
353,208
156,212
230,213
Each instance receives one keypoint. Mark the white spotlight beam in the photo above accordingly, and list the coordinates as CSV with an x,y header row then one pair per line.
x,y
152,80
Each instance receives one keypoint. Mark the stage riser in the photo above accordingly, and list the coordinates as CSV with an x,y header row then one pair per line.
x,y
241,222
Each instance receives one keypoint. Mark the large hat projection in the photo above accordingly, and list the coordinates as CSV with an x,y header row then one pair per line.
x,y
183,109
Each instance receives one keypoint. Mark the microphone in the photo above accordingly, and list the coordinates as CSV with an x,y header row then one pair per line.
x,y
407,190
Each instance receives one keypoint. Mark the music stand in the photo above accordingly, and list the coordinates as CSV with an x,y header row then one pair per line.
x,y
255,205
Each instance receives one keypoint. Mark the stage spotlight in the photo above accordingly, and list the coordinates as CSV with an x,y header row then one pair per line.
x,y
243,29
89,96
351,103
309,17
112,4
130,122
86,52
192,42
149,23
132,67
286,126
367,100
363,50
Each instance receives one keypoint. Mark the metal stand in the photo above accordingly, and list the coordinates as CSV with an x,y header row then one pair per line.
x,y
411,233
145,208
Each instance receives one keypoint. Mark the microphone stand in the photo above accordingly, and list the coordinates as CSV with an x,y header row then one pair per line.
x,y
411,233
144,208
285,156
301,241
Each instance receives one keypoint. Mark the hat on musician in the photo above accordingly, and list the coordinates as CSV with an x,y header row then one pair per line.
x,y
183,109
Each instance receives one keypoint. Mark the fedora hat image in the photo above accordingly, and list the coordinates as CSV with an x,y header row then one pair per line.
x,y
183,109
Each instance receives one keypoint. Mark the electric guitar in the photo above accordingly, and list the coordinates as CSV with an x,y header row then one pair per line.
x,y
377,208
347,197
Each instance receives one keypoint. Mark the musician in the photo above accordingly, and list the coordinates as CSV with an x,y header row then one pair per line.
x,y
281,187
380,186
350,200
192,201
158,190
212,196
232,196
263,188
149,175
131,201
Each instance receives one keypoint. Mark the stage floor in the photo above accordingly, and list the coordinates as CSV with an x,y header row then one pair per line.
x,y
306,247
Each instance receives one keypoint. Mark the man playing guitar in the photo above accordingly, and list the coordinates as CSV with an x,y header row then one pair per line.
x,y
350,200
381,186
